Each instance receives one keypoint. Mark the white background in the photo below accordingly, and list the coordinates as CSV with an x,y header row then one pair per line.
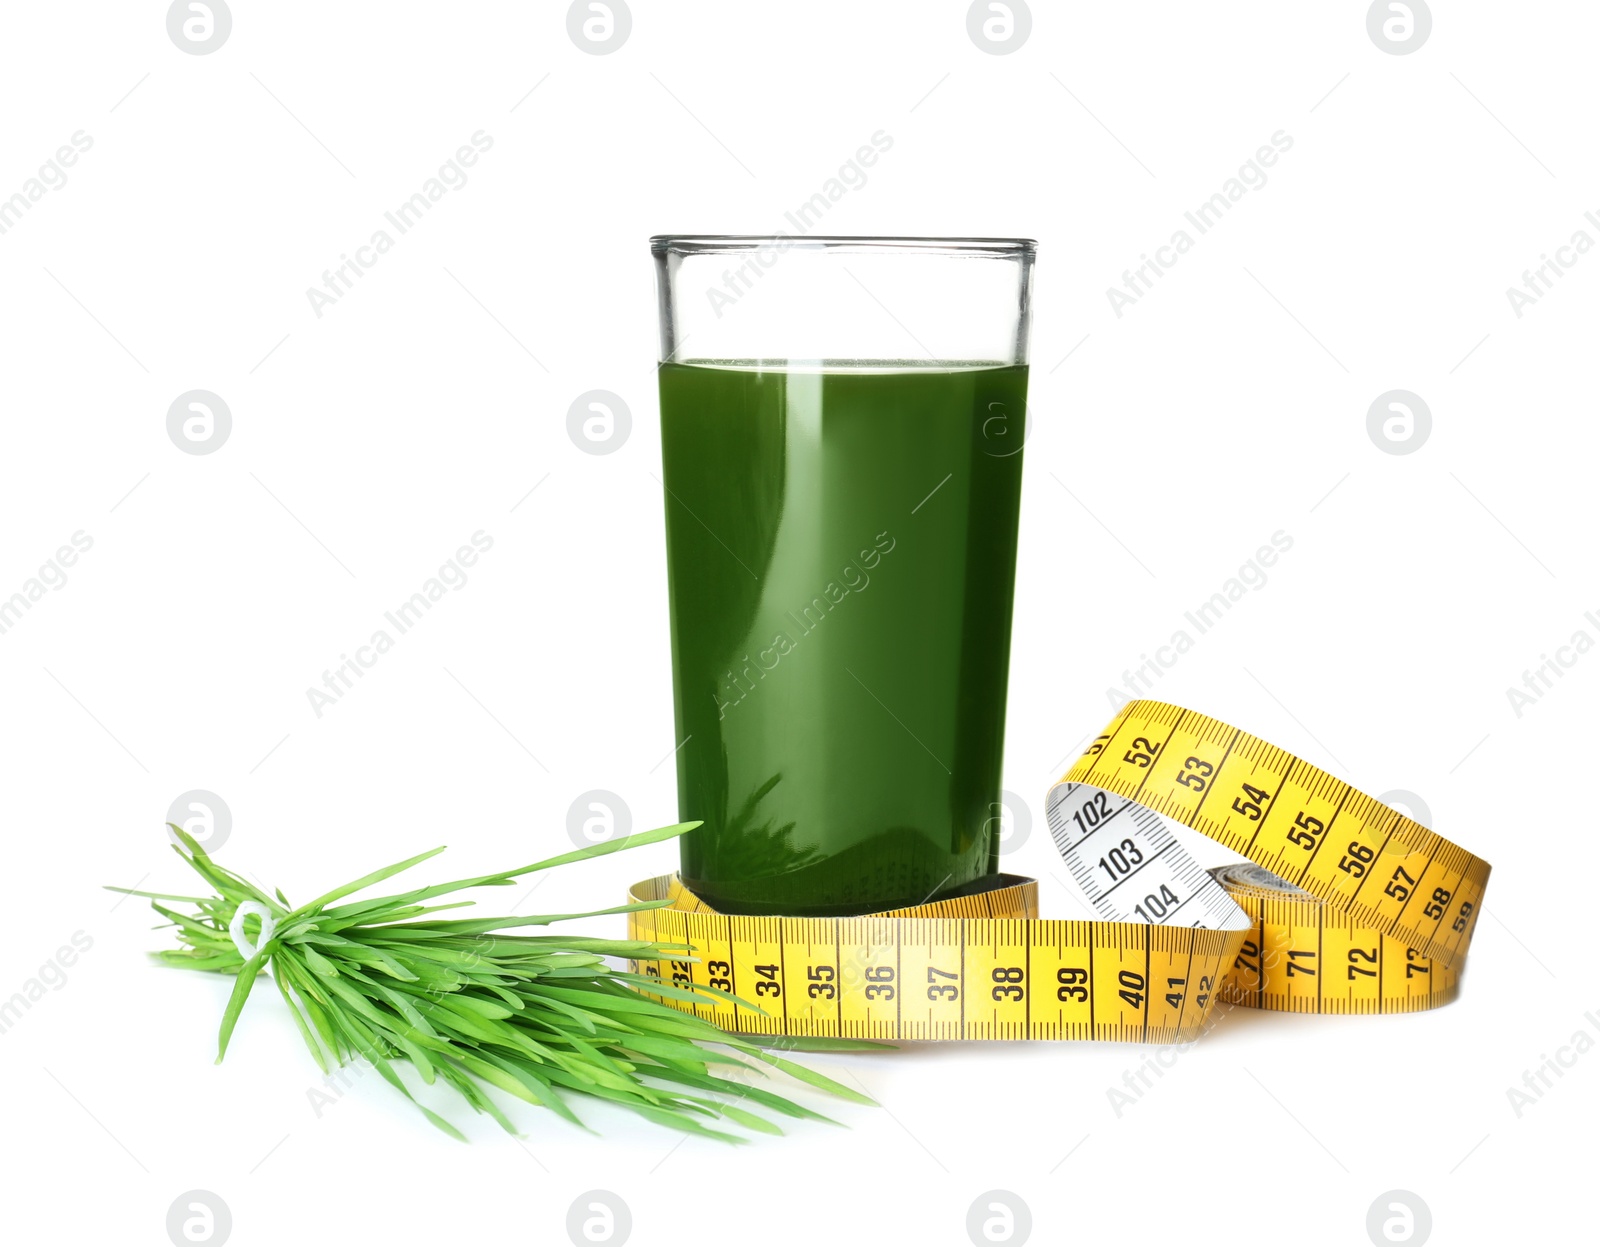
x,y
372,441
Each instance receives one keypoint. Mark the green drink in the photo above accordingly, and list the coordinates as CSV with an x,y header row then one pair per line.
x,y
841,546
842,455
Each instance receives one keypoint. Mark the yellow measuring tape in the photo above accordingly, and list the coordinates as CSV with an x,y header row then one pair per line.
x,y
1347,906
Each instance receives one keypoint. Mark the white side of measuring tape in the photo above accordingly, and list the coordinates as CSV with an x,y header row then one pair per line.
x,y
1129,864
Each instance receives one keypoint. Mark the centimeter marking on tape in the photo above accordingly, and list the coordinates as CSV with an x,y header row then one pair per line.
x,y
1175,940
895,977
1303,957
1350,851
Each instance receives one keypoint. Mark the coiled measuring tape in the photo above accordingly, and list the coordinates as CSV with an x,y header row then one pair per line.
x,y
1346,906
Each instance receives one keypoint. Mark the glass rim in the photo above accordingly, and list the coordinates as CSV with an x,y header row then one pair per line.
x,y
727,244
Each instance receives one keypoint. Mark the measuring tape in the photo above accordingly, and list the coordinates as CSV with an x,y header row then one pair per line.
x,y
1281,963
1347,906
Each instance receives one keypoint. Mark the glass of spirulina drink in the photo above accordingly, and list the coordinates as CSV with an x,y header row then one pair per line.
x,y
842,424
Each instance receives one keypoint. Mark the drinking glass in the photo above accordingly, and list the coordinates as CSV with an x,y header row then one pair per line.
x,y
842,427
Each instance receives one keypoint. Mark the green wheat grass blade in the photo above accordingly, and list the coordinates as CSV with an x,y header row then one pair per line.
x,y
540,1018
